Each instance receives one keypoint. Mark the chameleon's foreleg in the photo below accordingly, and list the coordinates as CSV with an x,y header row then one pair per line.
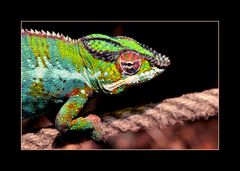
x,y
67,117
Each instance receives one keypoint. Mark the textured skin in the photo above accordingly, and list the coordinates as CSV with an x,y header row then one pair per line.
x,y
55,67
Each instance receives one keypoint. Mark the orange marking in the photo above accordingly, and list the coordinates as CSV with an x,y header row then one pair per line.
x,y
74,92
72,106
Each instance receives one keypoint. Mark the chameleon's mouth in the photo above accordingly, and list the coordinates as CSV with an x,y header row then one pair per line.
x,y
134,79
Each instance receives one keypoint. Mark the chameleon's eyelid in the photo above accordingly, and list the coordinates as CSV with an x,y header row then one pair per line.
x,y
161,62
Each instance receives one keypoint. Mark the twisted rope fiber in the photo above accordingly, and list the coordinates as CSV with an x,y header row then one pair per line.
x,y
188,107
171,111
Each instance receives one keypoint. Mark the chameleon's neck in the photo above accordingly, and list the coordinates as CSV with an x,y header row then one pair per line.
x,y
89,70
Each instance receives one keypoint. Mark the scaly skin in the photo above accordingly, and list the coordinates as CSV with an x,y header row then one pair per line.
x,y
54,67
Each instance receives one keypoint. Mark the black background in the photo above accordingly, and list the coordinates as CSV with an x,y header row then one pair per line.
x,y
172,82
191,46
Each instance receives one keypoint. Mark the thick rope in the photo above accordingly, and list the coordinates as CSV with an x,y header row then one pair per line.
x,y
188,107
171,111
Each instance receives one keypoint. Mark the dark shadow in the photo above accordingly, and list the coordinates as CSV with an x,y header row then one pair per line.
x,y
72,137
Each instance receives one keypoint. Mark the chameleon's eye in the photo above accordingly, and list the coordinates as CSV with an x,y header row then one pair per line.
x,y
129,62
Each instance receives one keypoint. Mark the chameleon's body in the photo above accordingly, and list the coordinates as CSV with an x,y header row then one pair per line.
x,y
55,67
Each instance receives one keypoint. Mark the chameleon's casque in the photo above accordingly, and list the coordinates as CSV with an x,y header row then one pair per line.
x,y
55,67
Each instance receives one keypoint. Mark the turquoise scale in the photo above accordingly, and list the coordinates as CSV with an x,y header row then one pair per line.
x,y
53,50
28,61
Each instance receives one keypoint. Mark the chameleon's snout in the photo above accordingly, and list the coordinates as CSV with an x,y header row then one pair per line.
x,y
163,61
158,60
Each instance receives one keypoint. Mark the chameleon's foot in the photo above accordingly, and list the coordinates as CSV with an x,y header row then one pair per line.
x,y
96,134
94,119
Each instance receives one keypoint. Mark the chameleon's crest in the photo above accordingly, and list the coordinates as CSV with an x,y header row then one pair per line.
x,y
102,47
43,34
107,48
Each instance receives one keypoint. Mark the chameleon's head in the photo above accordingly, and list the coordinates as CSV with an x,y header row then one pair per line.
x,y
120,62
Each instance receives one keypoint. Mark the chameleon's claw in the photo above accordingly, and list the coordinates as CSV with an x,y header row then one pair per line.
x,y
96,134
94,119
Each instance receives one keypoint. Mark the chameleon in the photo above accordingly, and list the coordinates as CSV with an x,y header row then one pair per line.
x,y
55,67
